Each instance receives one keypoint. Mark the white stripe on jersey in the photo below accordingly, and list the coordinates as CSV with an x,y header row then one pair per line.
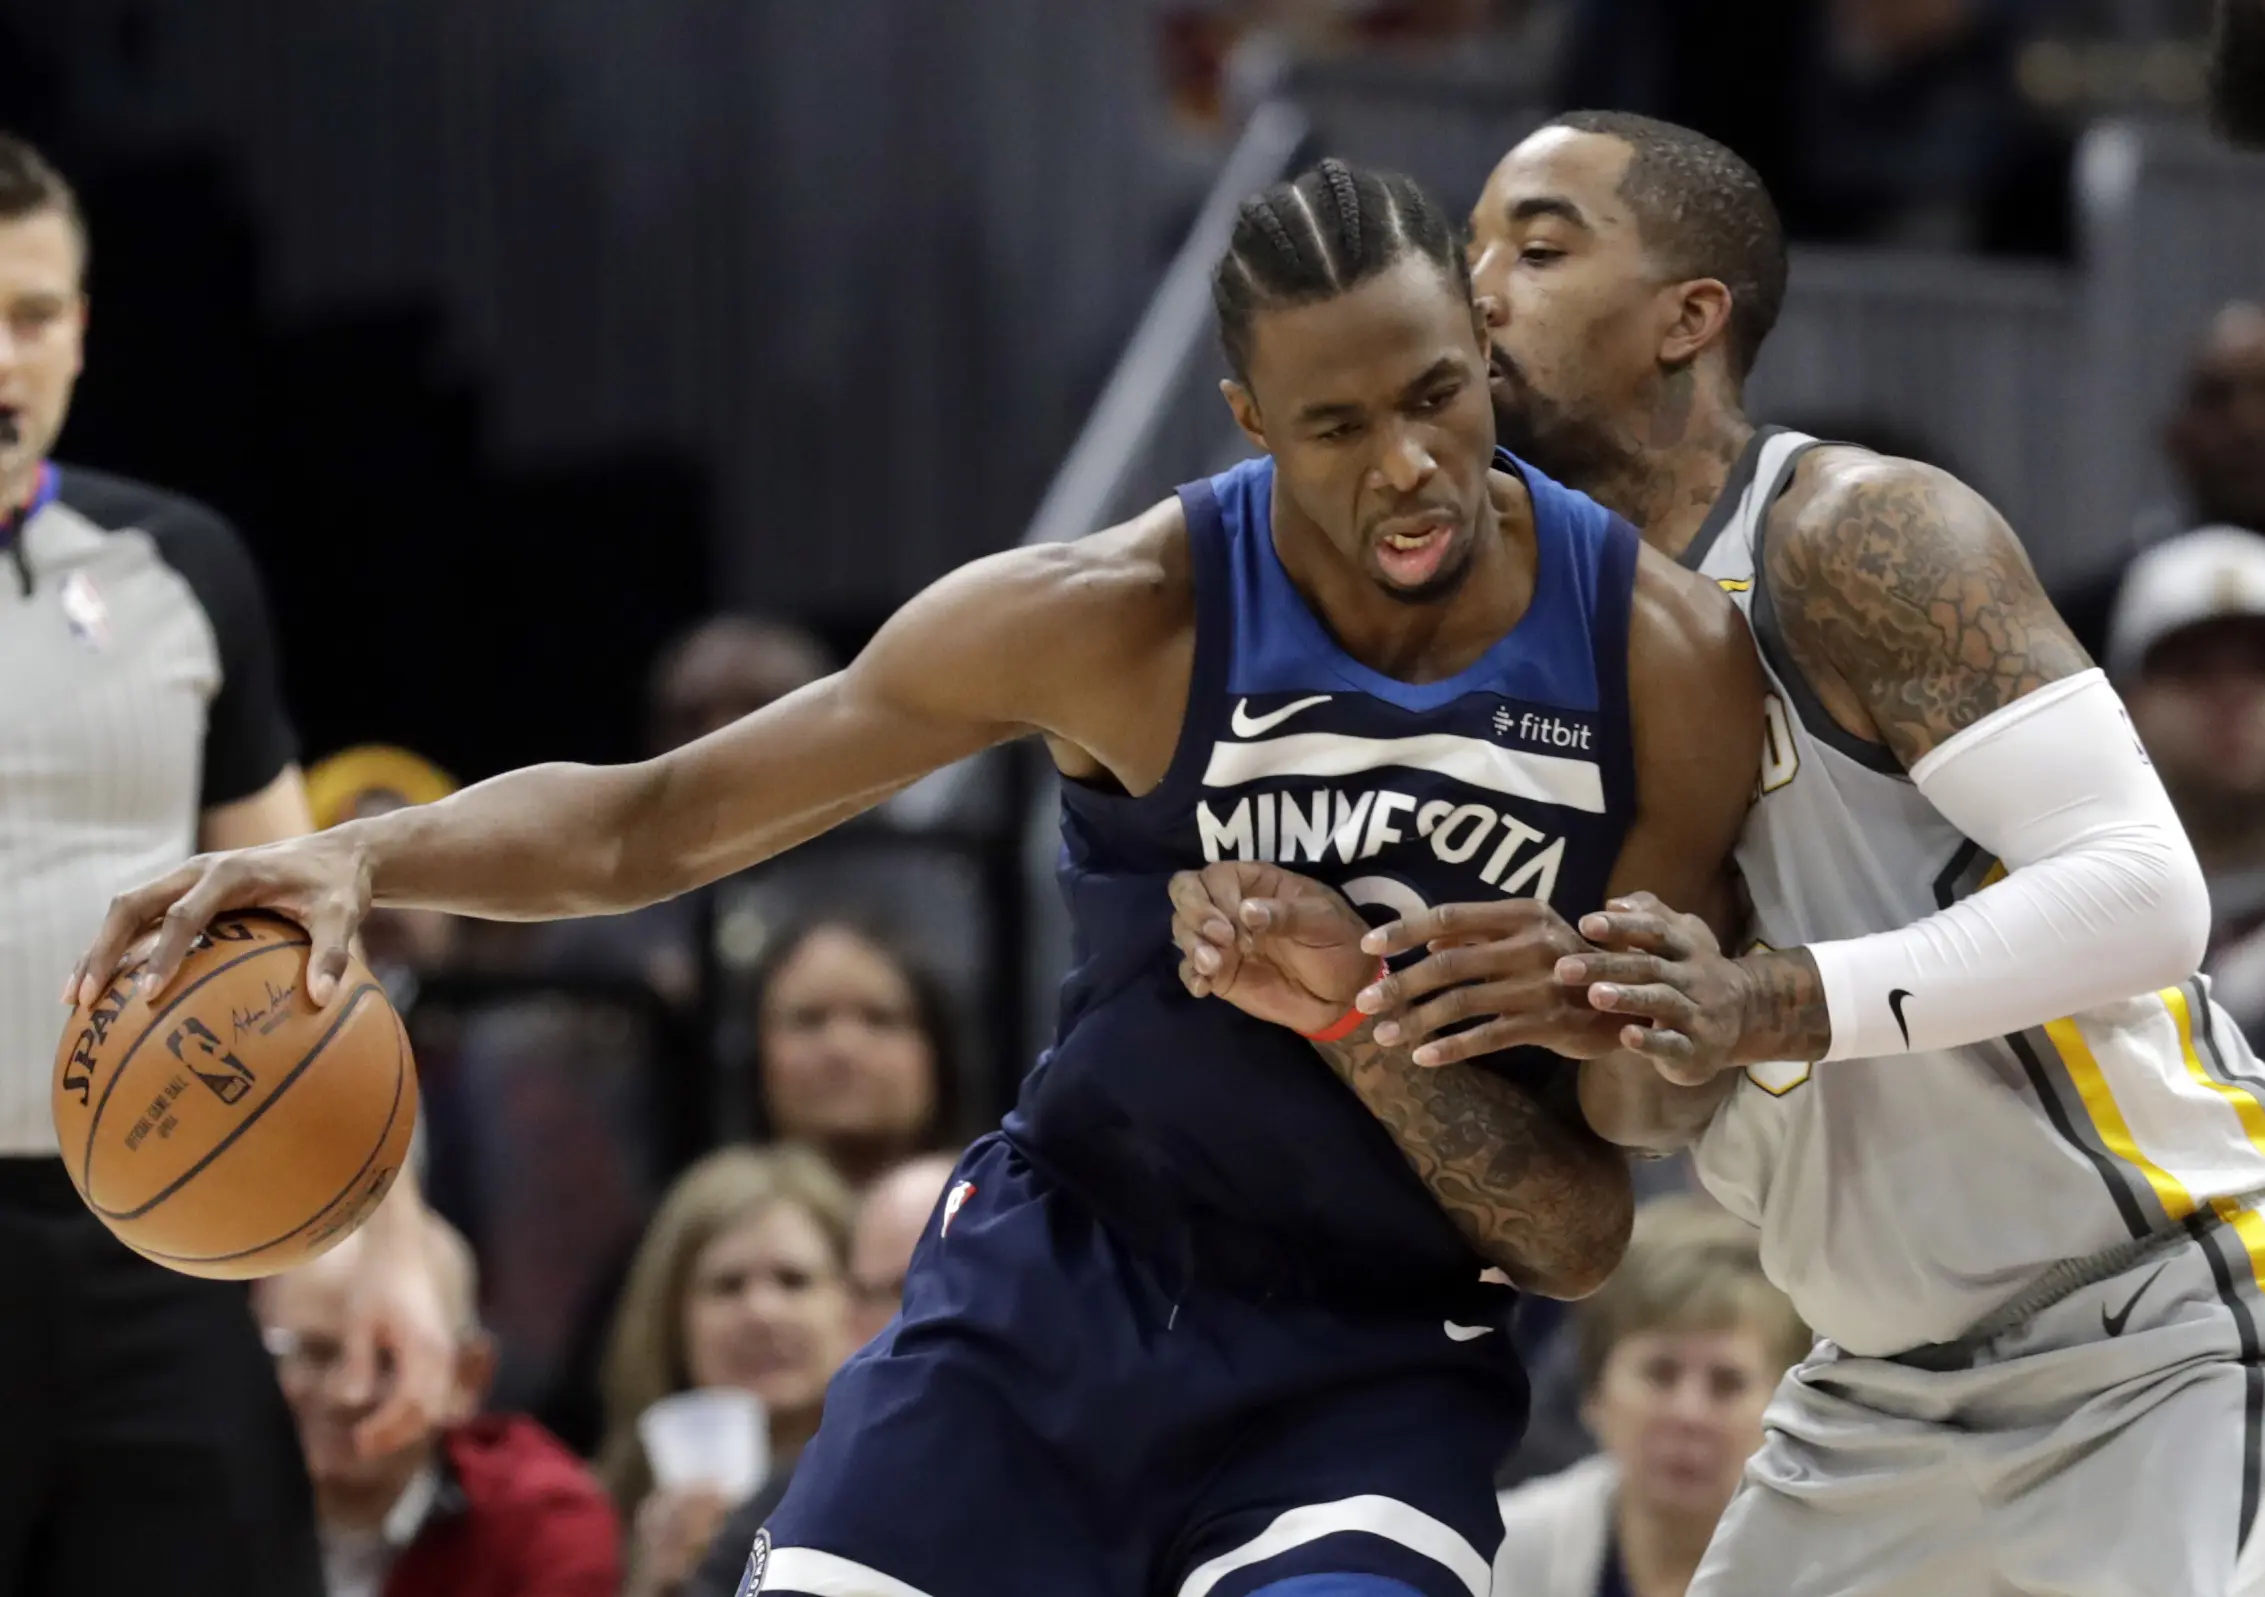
x,y
1544,778
1386,1518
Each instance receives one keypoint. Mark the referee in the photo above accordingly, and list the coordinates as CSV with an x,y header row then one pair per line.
x,y
144,1445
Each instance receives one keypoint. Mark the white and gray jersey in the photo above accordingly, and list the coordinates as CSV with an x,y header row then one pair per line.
x,y
137,690
1903,1199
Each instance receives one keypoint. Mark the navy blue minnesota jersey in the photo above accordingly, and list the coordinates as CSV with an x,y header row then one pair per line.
x,y
1221,1142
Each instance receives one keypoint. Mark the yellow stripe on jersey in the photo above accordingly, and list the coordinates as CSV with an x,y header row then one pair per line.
x,y
2248,1225
2247,1109
2115,1132
1733,585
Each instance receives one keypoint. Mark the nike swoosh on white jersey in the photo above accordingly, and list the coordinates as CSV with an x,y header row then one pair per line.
x,y
1466,1333
1246,725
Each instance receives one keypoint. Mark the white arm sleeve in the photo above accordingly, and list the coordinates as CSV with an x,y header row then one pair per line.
x,y
2103,898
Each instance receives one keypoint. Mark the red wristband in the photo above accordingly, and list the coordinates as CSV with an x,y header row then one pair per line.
x,y
1347,1023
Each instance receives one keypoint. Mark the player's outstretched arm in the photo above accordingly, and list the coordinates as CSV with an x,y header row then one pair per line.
x,y
1057,639
1532,1189
1908,605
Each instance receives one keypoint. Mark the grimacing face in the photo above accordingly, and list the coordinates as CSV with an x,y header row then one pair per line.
x,y
1576,308
1373,404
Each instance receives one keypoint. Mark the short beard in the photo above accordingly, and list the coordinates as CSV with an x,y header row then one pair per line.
x,y
1544,434
2237,72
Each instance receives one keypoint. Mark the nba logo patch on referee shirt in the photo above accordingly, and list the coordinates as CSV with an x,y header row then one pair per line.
x,y
757,1559
85,611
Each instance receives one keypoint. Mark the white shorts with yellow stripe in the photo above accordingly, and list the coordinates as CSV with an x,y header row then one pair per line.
x,y
2107,1446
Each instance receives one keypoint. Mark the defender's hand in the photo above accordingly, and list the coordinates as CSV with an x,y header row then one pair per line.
x,y
1276,945
1497,960
1661,972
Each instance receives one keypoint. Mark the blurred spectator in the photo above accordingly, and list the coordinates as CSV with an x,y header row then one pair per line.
x,y
854,1055
912,864
742,1281
855,1048
726,667
1872,121
479,1507
1548,1337
1679,1354
2187,648
890,1224
2215,442
1199,39
402,946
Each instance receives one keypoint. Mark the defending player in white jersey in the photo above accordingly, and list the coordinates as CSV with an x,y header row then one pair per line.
x,y
2001,1145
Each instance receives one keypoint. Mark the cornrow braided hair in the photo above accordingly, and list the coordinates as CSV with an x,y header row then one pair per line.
x,y
1332,229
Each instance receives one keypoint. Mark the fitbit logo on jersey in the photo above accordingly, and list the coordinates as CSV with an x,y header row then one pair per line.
x,y
1543,731
1289,827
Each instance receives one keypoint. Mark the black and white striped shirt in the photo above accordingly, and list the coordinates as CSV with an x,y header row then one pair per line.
x,y
138,689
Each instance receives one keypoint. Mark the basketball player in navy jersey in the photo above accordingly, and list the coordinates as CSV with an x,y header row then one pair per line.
x,y
1200,1319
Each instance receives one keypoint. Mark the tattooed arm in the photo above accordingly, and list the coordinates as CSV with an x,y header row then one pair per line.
x,y
1531,1187
1907,602
1912,610
1908,607
1533,1190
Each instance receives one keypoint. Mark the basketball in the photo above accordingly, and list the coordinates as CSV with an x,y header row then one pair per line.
x,y
231,1129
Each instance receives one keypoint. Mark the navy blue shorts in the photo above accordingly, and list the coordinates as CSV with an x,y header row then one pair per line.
x,y
1049,1416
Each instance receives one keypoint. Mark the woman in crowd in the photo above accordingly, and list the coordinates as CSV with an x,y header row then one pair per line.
x,y
741,1282
1680,1352
854,1049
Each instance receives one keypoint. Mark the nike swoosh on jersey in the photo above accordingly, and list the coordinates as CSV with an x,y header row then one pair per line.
x,y
1246,725
1466,1333
2113,1324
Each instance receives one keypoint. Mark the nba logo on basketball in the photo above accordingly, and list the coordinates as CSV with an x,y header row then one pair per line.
x,y
960,1193
231,1080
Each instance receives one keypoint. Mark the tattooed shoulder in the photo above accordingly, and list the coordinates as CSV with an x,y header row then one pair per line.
x,y
1900,584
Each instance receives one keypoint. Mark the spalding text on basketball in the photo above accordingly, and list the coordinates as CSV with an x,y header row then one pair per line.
x,y
78,1070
